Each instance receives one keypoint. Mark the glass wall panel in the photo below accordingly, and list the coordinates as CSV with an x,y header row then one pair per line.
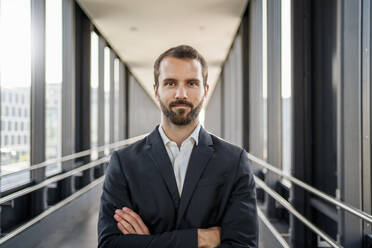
x,y
94,96
286,85
15,87
107,97
53,78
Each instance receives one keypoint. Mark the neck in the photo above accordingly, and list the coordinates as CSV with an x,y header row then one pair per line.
x,y
177,133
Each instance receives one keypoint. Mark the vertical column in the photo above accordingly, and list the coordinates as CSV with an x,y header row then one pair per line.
x,y
82,96
226,95
122,102
99,170
301,118
127,88
273,97
67,186
238,90
245,34
350,119
255,79
366,108
113,117
38,198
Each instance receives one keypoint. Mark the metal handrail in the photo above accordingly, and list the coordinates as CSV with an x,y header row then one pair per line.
x,y
51,180
76,155
59,177
51,210
293,211
273,230
357,212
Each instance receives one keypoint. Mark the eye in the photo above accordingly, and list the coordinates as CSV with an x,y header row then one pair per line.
x,y
169,83
193,83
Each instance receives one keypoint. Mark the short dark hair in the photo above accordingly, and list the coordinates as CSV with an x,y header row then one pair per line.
x,y
181,52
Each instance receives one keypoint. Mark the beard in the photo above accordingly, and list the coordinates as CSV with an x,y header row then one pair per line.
x,y
179,118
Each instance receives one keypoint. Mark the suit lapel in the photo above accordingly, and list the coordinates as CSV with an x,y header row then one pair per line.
x,y
158,154
199,159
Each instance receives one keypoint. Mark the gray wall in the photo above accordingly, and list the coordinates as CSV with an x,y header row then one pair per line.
x,y
144,114
213,111
224,113
233,95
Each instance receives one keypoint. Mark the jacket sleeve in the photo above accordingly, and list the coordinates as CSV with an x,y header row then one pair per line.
x,y
116,195
239,226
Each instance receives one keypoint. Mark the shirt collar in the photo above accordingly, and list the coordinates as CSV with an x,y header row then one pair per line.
x,y
194,135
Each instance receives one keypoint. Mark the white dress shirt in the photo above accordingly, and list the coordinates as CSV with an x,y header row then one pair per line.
x,y
180,157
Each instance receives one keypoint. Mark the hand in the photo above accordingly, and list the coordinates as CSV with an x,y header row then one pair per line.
x,y
129,222
210,237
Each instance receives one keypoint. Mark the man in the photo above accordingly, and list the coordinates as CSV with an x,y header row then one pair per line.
x,y
179,187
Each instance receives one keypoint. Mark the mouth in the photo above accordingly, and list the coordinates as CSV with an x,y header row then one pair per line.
x,y
181,106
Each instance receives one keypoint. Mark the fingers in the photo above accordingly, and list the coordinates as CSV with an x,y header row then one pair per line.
x,y
138,219
126,227
130,221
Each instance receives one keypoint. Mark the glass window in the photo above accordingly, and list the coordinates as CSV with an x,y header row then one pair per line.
x,y
6,139
94,95
15,126
107,98
53,82
15,78
286,85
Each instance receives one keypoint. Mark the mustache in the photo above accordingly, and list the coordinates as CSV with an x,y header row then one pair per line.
x,y
179,102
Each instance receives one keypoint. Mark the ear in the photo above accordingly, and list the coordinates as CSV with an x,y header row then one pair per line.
x,y
206,90
155,90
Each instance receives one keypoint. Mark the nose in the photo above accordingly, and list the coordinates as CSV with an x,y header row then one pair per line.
x,y
181,93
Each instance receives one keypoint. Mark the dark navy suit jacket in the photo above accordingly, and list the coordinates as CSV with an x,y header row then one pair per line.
x,y
218,190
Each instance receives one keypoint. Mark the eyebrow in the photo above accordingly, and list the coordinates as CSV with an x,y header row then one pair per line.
x,y
169,79
175,80
193,80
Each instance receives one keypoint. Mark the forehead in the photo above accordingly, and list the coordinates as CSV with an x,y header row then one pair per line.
x,y
171,67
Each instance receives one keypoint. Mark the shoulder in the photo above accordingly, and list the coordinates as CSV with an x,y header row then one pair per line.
x,y
131,150
224,147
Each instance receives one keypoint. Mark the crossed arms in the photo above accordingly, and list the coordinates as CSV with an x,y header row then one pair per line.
x,y
121,227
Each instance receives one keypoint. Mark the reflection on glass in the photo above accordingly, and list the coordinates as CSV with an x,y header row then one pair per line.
x,y
94,95
53,78
15,88
107,98
286,85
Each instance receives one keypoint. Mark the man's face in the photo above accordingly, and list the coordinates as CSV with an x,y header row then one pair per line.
x,y
181,91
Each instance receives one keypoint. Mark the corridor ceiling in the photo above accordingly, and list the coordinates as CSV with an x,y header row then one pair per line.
x,y
139,30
